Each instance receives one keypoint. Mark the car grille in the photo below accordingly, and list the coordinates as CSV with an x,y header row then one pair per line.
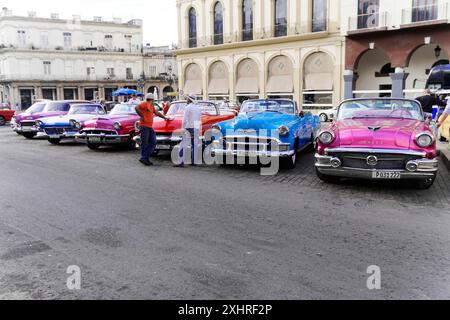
x,y
385,161
245,143
28,123
103,132
59,130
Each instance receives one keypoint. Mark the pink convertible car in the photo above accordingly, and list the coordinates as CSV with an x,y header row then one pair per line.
x,y
385,139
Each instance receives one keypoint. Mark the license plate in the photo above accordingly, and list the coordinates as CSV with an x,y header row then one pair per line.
x,y
163,147
388,175
54,136
247,153
95,140
26,129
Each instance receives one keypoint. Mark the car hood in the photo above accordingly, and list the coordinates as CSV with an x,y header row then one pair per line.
x,y
259,121
379,133
107,122
65,120
35,116
164,126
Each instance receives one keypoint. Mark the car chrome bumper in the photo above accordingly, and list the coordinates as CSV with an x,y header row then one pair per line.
x,y
102,138
66,135
425,169
27,129
252,154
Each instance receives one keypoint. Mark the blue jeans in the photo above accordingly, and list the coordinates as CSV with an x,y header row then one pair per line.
x,y
148,142
191,138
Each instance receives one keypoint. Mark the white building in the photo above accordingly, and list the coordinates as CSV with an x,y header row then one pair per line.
x,y
392,45
53,58
239,49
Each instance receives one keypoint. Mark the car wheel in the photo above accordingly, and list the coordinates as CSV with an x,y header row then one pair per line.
x,y
54,141
323,117
93,146
326,178
2,121
425,184
29,135
290,162
131,144
18,133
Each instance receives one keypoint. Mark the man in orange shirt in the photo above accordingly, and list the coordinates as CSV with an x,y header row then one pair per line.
x,y
146,110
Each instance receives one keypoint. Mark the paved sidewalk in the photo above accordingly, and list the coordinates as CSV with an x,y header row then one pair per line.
x,y
444,148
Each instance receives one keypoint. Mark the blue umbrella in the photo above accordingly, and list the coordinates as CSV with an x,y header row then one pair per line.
x,y
126,92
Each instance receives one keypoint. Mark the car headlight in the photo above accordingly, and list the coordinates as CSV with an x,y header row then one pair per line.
x,y
283,131
326,137
424,140
39,123
75,124
117,126
216,127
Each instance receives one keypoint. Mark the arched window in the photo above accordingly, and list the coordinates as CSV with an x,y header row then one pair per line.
x,y
192,28
218,23
247,20
280,18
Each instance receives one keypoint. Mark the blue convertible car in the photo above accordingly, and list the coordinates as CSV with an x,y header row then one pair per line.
x,y
67,126
266,128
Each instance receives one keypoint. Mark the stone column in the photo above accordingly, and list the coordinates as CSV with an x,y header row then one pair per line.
x,y
349,84
398,83
80,93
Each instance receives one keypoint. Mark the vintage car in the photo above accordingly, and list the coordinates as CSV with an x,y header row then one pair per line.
x,y
267,128
116,128
327,115
165,130
381,139
65,127
6,115
26,124
37,107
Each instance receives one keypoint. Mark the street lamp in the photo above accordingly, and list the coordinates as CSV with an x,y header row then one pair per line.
x,y
437,52
141,81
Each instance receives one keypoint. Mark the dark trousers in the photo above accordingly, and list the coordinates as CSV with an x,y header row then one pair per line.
x,y
148,142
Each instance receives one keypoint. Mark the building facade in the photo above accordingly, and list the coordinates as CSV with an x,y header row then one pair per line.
x,y
240,49
53,58
391,46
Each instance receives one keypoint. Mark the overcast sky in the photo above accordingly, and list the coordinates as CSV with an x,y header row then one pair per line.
x,y
160,16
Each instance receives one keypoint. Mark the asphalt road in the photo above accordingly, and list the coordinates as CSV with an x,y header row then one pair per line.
x,y
210,232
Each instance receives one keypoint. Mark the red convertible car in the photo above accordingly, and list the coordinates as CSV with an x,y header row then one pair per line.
x,y
165,130
115,128
6,116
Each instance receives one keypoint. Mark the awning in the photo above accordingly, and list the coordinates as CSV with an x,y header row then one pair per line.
x,y
281,75
218,86
247,77
280,84
193,87
218,79
247,85
319,82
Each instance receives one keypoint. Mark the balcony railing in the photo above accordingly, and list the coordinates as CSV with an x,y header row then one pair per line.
x,y
377,20
425,13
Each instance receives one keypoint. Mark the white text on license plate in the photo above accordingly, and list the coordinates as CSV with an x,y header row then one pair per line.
x,y
389,175
95,140
162,147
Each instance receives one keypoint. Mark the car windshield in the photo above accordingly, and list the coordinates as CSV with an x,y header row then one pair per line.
x,y
178,108
37,107
380,108
86,109
124,109
57,106
282,106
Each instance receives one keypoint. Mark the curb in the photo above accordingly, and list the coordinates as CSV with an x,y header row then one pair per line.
x,y
445,154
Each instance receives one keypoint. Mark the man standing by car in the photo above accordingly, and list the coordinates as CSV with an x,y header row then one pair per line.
x,y
192,123
134,100
146,110
429,100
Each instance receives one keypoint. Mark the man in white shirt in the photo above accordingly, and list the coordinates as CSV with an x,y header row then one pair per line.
x,y
192,124
134,100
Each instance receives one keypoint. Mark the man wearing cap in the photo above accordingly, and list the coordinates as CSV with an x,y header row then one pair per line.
x,y
146,110
134,99
192,124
